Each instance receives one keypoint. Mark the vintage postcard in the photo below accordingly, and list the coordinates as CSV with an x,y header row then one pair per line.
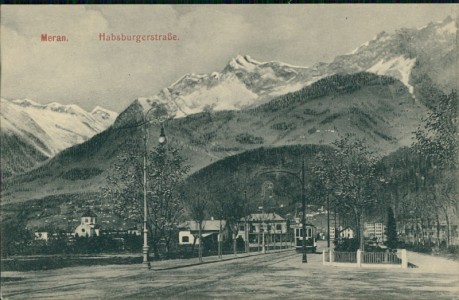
x,y
229,152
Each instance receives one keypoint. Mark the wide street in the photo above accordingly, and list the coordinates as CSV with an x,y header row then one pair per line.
x,y
269,276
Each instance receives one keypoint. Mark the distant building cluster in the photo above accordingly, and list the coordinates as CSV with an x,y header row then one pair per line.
x,y
88,227
375,231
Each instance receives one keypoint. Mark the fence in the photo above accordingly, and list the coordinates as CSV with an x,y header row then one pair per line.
x,y
345,257
381,258
366,259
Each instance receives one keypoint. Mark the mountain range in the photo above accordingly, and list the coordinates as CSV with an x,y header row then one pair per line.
x,y
405,55
379,92
33,132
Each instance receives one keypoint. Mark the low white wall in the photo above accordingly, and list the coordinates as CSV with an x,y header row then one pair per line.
x,y
359,264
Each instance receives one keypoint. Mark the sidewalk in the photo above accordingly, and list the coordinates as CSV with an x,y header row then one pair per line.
x,y
183,263
433,264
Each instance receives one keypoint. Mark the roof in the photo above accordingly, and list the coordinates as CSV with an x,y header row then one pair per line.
x,y
207,225
299,225
88,213
347,227
263,217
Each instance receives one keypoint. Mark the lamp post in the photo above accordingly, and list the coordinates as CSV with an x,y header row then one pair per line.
x,y
162,139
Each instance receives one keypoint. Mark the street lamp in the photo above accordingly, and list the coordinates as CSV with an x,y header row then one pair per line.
x,y
162,139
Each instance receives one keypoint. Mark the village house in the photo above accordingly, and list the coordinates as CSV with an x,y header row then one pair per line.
x,y
88,226
210,229
346,232
41,235
272,225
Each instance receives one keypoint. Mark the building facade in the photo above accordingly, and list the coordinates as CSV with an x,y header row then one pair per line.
x,y
375,231
270,226
189,231
88,226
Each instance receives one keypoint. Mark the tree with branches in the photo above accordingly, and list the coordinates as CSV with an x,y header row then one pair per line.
x,y
230,205
166,171
197,202
356,179
436,147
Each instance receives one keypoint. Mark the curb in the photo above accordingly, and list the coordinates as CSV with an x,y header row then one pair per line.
x,y
216,261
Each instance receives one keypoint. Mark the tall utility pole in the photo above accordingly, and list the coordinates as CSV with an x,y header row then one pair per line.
x,y
303,201
246,226
328,221
303,220
220,238
336,233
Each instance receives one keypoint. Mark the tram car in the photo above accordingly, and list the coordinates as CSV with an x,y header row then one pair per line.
x,y
311,244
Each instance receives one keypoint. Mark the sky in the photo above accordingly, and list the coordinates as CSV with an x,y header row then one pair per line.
x,y
89,72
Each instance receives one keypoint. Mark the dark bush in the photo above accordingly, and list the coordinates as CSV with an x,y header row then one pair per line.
x,y
283,126
347,245
81,174
247,138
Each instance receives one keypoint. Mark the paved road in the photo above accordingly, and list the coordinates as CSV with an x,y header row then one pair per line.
x,y
270,276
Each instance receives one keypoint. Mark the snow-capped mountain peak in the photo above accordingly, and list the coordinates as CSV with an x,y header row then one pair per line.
x,y
104,115
246,82
53,127
243,82
450,28
242,62
26,102
429,49
398,67
67,109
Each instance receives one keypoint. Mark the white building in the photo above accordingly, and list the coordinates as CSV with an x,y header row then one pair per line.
x,y
41,235
88,226
268,223
342,232
189,230
375,230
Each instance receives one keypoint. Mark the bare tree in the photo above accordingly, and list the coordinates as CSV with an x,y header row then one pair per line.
x,y
197,202
231,203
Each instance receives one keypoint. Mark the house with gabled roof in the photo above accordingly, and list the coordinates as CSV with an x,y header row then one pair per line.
x,y
88,226
189,231
271,224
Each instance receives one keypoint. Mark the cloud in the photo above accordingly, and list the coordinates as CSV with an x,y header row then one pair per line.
x,y
89,72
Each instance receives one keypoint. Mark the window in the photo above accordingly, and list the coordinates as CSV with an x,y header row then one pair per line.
x,y
278,227
83,230
86,220
185,239
309,232
241,227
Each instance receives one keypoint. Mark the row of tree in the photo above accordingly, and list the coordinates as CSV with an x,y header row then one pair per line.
x,y
418,183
